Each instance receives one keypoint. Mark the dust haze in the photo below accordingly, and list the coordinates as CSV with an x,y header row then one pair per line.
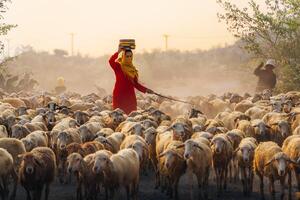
x,y
174,72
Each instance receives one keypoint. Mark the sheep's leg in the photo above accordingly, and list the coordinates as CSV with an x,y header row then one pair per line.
x,y
79,190
175,188
217,172
127,192
5,187
244,180
251,180
15,184
225,177
271,187
297,173
47,190
205,183
282,183
290,183
191,184
261,178
200,186
230,171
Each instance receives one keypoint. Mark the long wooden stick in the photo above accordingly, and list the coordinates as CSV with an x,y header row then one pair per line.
x,y
172,99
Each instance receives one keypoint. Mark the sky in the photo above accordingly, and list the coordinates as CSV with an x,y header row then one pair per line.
x,y
99,24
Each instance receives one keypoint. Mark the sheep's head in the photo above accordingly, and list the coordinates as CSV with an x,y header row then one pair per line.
x,y
284,128
140,148
171,156
30,163
85,134
190,147
247,152
137,129
117,117
29,145
81,117
19,131
218,144
105,142
102,162
74,162
150,135
63,139
262,128
180,130
280,161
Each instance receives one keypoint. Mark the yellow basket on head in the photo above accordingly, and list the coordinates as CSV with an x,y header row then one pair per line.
x,y
127,43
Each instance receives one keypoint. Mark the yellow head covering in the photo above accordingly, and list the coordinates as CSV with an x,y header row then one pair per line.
x,y
127,67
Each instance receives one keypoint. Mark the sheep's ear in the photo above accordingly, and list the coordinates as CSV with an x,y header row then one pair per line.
x,y
162,154
293,162
274,124
255,126
199,147
269,162
180,146
37,162
20,156
237,149
269,127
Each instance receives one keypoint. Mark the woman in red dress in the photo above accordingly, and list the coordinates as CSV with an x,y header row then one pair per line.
x,y
126,80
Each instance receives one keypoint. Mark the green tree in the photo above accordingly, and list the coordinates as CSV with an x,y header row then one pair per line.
x,y
271,32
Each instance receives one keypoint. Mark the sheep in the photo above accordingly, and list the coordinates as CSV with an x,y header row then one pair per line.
x,y
139,144
256,112
85,148
113,119
82,168
243,106
280,130
229,118
150,139
291,147
37,170
203,134
15,102
262,130
181,130
35,139
15,147
19,131
246,127
112,142
81,117
105,132
222,153
65,138
245,156
35,126
172,166
115,170
130,128
7,171
88,131
198,158
3,131
271,162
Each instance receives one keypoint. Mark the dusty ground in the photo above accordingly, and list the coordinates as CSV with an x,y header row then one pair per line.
x,y
147,191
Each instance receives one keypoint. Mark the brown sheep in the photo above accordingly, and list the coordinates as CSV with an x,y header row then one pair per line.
x,y
86,178
112,142
245,156
35,139
222,153
115,170
291,147
139,144
246,127
89,130
81,117
280,130
262,130
113,119
172,166
3,131
15,147
19,131
198,157
271,162
7,171
37,170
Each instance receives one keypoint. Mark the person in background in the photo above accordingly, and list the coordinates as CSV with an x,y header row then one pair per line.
x,y
266,77
126,80
60,86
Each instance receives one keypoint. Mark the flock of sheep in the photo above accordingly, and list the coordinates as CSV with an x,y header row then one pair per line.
x,y
220,138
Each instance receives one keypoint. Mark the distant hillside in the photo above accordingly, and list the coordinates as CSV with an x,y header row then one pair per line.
x,y
172,72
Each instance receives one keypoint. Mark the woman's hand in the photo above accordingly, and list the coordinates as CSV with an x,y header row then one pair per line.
x,y
120,49
149,91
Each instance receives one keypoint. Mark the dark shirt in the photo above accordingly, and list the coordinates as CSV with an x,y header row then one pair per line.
x,y
266,79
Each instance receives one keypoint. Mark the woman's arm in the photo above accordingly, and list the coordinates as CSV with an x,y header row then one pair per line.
x,y
258,69
139,86
112,61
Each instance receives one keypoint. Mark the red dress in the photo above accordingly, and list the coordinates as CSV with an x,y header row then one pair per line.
x,y
124,94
